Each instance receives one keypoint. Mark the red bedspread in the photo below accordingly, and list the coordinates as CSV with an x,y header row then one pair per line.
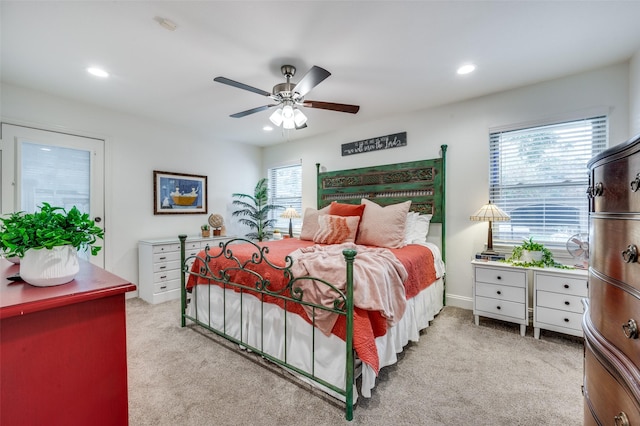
x,y
418,261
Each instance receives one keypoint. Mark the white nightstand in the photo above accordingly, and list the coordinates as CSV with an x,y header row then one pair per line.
x,y
557,300
501,291
159,265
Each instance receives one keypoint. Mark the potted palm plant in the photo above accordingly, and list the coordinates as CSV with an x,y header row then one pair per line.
x,y
47,242
254,210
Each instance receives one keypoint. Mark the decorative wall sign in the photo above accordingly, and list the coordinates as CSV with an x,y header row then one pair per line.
x,y
175,193
375,144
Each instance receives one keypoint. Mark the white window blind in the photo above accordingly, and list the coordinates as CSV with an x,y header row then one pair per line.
x,y
539,176
285,189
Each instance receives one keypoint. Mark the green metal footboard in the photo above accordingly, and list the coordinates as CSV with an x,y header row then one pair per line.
x,y
261,287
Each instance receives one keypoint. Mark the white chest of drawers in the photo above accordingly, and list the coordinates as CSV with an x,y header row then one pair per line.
x,y
159,266
557,300
501,291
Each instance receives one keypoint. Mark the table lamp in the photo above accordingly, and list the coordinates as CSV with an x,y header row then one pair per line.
x,y
490,213
290,213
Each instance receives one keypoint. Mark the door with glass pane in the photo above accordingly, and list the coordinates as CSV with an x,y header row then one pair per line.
x,y
60,169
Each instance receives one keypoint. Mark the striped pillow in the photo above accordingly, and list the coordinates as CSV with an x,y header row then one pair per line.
x,y
336,229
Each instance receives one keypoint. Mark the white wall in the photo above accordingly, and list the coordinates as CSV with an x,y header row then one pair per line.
x,y
634,94
135,146
464,128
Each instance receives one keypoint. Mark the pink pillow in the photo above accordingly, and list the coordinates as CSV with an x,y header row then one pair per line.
x,y
383,226
336,229
310,222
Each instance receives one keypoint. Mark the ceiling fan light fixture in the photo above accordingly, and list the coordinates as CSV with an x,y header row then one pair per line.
x,y
276,117
288,124
287,112
299,118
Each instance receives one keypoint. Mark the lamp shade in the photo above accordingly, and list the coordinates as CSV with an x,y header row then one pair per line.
x,y
290,213
490,213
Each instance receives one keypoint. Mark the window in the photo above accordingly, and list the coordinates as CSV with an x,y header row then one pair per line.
x,y
285,189
538,175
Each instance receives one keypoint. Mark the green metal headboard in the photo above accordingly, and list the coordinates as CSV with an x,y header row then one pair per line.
x,y
422,182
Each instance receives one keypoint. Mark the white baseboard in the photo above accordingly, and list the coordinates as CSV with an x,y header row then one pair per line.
x,y
459,301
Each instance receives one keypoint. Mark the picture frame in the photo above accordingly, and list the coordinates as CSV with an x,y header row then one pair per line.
x,y
179,193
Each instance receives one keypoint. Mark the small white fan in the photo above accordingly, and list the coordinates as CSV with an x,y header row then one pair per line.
x,y
578,247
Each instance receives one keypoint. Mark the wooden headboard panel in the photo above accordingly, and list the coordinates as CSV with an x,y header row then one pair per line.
x,y
422,182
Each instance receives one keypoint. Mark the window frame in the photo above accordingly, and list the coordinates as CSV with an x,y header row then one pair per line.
x,y
294,201
568,215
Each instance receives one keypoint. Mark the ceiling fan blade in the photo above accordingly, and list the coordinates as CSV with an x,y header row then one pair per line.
x,y
311,79
251,111
243,86
304,126
332,106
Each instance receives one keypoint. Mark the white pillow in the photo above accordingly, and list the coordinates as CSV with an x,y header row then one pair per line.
x,y
310,222
421,227
383,226
410,225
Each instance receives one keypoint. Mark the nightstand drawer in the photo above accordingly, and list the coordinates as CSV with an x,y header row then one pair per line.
x,y
501,292
166,257
561,284
501,276
166,266
165,248
558,318
166,276
166,286
500,307
562,302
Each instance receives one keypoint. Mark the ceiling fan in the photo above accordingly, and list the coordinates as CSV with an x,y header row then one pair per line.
x,y
289,96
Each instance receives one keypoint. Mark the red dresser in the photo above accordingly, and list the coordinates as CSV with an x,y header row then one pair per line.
x,y
63,357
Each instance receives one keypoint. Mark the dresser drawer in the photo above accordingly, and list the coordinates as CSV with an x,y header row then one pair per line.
x,y
501,292
501,276
610,308
561,284
500,307
605,395
562,302
611,237
615,178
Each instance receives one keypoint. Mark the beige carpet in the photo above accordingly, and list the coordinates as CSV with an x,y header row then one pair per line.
x,y
458,374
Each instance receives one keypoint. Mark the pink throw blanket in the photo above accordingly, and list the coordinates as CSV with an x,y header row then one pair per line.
x,y
377,274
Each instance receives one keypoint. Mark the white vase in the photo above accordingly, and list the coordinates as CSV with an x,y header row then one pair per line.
x,y
531,256
44,267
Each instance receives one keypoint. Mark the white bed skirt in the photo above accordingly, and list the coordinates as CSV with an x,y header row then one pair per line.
x,y
330,354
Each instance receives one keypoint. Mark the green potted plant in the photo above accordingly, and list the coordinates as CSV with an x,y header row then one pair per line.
x,y
47,242
530,253
205,231
254,210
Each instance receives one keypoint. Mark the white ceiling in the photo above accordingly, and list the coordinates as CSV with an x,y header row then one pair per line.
x,y
386,56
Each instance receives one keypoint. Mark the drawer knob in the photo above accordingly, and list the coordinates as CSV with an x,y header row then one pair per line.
x,y
635,184
566,286
498,307
499,292
621,419
566,320
499,277
630,329
595,191
630,255
567,303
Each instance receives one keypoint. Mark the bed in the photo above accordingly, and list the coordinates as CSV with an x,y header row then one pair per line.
x,y
341,301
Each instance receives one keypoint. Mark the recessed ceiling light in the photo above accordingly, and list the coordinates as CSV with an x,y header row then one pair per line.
x,y
466,69
98,72
267,128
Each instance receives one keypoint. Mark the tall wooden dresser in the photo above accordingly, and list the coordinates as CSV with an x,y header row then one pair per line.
x,y
612,316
